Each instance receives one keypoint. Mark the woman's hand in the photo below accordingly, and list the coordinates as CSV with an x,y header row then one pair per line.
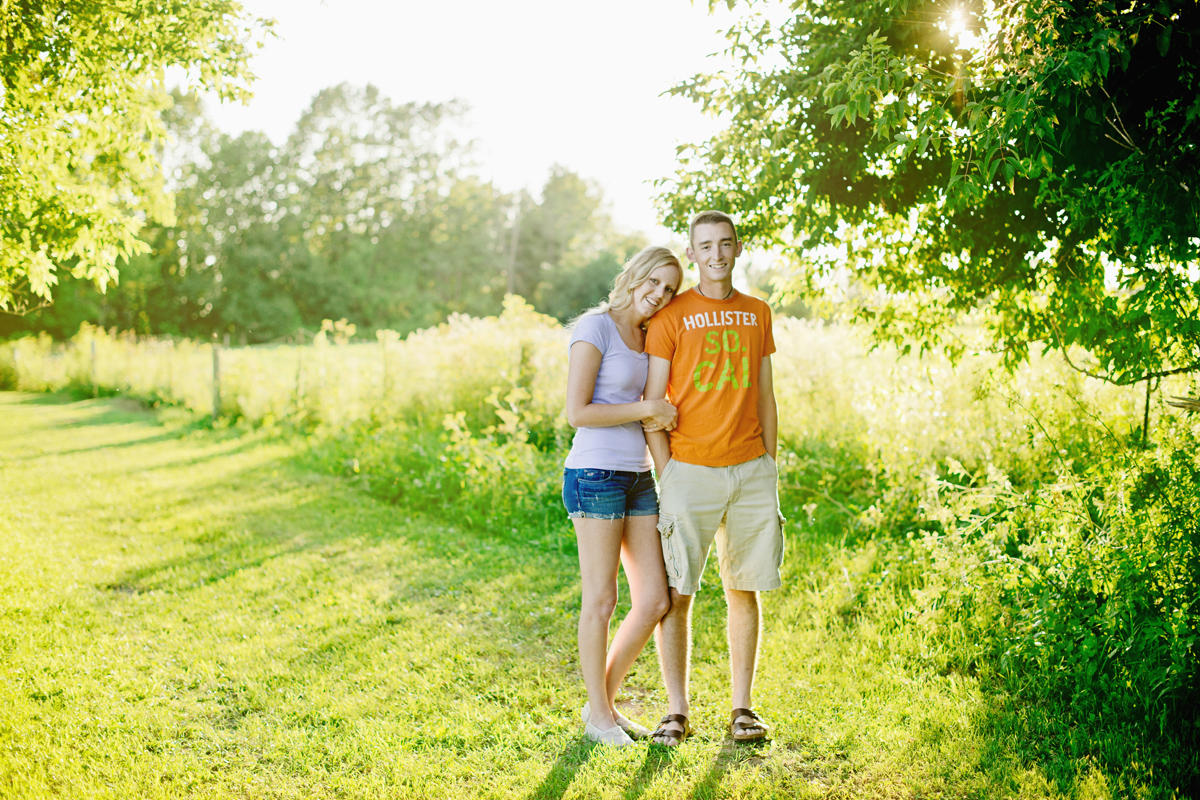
x,y
662,416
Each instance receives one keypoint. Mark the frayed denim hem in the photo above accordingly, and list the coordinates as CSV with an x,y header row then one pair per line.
x,y
589,515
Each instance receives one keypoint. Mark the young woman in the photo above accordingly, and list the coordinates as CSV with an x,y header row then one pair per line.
x,y
607,487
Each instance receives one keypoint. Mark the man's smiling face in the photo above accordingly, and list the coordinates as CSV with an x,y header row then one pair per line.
x,y
714,250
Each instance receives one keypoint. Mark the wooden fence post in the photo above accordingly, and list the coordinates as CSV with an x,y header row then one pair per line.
x,y
92,372
216,383
171,369
383,348
16,367
299,376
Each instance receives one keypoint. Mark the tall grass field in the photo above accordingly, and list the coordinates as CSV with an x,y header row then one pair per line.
x,y
355,579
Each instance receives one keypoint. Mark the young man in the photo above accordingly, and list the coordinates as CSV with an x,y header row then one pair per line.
x,y
710,350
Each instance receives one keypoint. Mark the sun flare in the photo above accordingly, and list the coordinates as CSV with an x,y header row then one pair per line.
x,y
959,30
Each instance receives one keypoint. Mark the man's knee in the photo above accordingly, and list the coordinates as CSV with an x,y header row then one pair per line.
x,y
681,604
741,600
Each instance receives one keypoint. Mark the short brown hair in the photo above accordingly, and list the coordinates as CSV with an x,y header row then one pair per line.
x,y
708,218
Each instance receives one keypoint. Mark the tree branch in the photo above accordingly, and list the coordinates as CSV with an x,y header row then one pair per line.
x,y
1127,381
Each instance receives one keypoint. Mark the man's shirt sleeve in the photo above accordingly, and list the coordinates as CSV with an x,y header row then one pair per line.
x,y
660,337
769,338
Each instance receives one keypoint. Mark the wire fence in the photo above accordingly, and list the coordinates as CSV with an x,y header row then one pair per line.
x,y
454,367
511,371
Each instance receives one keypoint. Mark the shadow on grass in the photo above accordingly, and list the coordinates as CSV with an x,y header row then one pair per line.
x,y
559,779
41,399
479,597
282,511
730,755
293,519
113,405
657,759
92,412
1124,757
162,437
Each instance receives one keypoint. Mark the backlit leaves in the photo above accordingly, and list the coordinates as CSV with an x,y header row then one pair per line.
x,y
1031,158
83,87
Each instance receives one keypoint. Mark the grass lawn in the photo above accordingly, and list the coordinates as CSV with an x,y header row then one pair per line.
x,y
187,613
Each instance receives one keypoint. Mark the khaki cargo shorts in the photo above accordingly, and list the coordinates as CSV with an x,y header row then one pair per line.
x,y
738,506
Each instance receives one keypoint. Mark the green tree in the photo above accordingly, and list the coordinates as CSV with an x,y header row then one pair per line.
x,y
378,182
448,259
584,279
83,85
1034,158
565,218
235,270
566,248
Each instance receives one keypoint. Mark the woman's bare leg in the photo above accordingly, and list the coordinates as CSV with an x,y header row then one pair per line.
x,y
641,555
599,542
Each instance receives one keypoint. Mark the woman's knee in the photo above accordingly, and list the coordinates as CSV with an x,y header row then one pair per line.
x,y
654,605
601,605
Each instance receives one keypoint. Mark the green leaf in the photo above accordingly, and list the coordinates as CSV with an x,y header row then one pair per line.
x,y
1164,40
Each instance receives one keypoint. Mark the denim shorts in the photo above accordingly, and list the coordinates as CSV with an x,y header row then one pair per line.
x,y
608,493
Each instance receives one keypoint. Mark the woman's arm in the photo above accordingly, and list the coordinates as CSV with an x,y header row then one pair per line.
x,y
659,375
582,369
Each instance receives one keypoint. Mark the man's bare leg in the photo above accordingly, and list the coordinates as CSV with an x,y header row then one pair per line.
x,y
674,638
743,629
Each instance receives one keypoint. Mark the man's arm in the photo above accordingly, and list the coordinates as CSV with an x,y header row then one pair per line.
x,y
768,413
656,389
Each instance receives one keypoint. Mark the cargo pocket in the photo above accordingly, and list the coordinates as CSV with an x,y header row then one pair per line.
x,y
670,546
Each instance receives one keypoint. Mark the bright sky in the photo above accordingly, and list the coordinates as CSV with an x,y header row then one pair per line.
x,y
546,81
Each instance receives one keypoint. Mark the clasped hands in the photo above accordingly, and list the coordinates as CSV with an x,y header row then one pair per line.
x,y
663,417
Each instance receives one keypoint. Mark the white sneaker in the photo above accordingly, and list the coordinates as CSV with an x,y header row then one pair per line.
x,y
632,729
614,736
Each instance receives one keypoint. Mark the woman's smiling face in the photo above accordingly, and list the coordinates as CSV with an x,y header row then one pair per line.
x,y
657,290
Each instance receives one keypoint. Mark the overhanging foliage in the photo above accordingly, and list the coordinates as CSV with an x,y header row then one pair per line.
x,y
1036,159
81,88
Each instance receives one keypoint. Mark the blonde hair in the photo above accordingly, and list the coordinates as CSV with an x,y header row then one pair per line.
x,y
635,272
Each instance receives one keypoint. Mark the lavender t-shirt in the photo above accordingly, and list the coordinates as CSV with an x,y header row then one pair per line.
x,y
622,379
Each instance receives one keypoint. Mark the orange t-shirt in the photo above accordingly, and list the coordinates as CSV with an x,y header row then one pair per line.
x,y
715,348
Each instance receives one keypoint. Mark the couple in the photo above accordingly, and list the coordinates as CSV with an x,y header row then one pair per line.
x,y
713,449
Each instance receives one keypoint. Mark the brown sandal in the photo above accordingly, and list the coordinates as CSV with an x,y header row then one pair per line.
x,y
747,732
674,737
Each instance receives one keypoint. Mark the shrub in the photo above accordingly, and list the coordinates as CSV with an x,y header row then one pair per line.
x,y
1082,593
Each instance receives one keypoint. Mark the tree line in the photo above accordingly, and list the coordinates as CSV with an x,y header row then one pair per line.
x,y
371,211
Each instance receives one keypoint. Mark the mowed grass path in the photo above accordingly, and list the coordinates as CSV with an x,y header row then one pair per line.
x,y
191,613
